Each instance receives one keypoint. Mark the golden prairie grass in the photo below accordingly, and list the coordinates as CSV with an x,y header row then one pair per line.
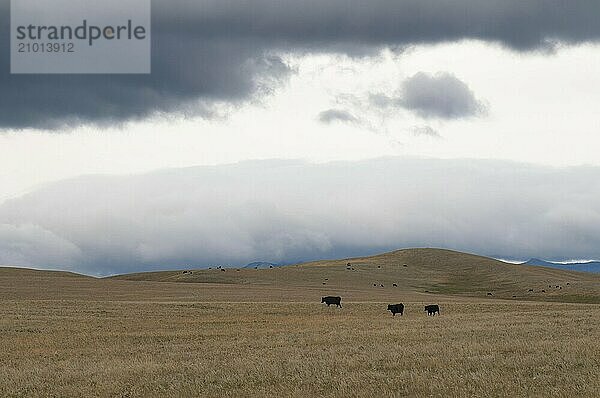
x,y
143,339
257,333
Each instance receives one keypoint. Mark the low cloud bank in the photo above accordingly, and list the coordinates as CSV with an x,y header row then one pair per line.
x,y
288,211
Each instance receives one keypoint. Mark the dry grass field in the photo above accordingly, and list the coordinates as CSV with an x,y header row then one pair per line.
x,y
256,333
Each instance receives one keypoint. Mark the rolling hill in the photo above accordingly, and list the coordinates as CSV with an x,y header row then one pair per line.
x,y
433,271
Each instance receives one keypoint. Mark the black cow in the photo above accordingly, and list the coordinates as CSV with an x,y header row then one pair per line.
x,y
332,300
396,309
432,309
395,284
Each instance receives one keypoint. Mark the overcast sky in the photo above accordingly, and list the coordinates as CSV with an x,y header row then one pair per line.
x,y
465,124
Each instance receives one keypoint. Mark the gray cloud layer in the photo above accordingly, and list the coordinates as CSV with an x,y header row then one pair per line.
x,y
222,49
284,211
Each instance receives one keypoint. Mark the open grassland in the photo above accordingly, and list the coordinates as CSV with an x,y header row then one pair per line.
x,y
155,349
71,336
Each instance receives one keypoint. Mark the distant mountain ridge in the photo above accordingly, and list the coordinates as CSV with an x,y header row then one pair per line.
x,y
588,266
261,265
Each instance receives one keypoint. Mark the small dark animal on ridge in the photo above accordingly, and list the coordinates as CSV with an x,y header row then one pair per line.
x,y
396,309
395,284
490,294
432,309
329,300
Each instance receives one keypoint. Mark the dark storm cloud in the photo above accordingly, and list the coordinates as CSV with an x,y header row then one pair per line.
x,y
285,211
221,50
336,115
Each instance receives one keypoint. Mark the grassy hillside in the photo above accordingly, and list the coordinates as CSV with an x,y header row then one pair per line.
x,y
433,271
11,272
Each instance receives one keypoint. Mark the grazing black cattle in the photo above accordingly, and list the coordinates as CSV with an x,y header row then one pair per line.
x,y
382,286
490,294
568,283
396,309
432,309
375,284
329,300
530,290
395,284
514,296
543,291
